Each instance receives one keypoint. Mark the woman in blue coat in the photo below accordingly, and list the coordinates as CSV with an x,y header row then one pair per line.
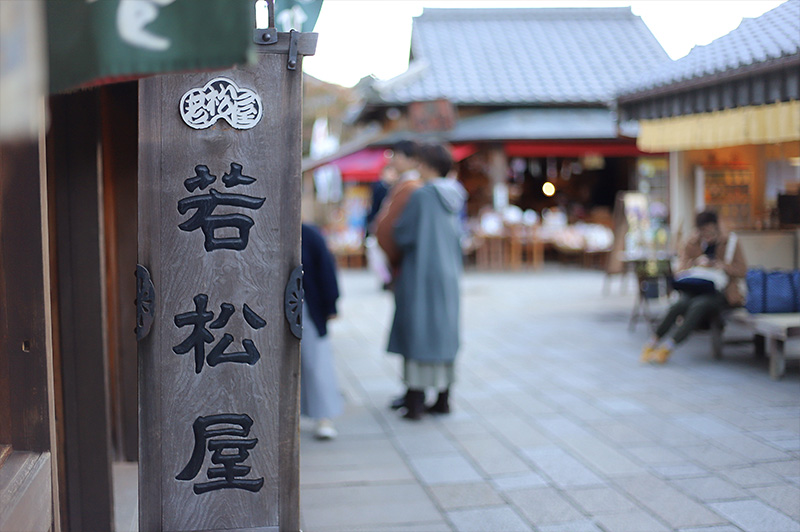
x,y
425,330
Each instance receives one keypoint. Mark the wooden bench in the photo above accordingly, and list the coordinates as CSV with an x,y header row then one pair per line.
x,y
770,333
777,249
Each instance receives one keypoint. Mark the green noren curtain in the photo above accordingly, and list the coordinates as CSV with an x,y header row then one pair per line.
x,y
300,15
91,41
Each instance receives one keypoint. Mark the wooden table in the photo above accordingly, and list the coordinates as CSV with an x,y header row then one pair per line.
x,y
525,249
492,252
509,251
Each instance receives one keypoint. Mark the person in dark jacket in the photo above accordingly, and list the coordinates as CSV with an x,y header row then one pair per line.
x,y
376,258
404,161
707,247
319,392
425,330
379,191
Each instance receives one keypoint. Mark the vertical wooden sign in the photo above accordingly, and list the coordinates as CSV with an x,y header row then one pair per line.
x,y
219,238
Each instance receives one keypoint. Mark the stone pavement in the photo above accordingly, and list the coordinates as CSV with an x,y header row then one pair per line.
x,y
556,426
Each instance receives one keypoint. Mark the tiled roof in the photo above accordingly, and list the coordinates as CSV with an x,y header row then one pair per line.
x,y
773,35
523,56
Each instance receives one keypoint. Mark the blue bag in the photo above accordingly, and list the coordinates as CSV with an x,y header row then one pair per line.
x,y
796,284
756,291
773,291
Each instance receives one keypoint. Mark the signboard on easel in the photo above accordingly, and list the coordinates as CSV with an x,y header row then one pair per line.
x,y
640,231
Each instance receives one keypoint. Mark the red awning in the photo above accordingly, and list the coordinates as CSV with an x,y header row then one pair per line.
x,y
462,151
366,165
572,149
362,166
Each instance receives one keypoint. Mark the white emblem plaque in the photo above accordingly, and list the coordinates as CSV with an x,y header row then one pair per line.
x,y
221,98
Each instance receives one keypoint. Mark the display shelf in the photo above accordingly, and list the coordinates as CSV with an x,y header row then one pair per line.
x,y
727,190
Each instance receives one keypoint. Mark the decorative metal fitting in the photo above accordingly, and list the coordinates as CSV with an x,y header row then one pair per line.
x,y
145,302
270,34
294,38
293,302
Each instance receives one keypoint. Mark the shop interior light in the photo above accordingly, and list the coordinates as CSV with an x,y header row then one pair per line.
x,y
549,189
794,161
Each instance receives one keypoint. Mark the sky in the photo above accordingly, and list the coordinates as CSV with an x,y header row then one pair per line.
x,y
358,38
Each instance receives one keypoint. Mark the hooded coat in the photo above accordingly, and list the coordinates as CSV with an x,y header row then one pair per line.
x,y
427,292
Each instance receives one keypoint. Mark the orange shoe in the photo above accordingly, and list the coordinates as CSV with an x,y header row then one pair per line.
x,y
661,355
647,354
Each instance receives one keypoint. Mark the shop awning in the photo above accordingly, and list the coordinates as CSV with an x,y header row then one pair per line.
x,y
762,124
366,165
362,166
571,149
462,151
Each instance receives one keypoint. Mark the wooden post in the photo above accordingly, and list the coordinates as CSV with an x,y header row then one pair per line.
x,y
23,355
80,354
25,458
219,232
119,126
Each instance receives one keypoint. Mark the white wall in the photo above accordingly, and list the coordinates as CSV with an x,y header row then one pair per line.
x,y
681,197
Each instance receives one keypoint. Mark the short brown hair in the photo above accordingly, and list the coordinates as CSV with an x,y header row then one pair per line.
x,y
705,218
435,156
409,148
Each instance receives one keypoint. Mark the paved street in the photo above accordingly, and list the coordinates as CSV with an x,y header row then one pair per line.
x,y
556,425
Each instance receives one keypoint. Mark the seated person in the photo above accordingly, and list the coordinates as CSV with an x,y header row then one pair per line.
x,y
707,246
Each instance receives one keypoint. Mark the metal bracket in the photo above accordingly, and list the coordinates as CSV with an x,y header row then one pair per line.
x,y
270,34
293,302
294,38
145,302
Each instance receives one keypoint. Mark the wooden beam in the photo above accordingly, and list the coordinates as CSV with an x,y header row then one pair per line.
x,y
24,421
119,104
74,174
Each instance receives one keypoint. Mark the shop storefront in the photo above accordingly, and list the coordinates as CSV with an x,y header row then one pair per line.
x,y
733,132
539,148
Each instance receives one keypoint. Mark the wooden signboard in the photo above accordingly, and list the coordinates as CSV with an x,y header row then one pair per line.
x,y
436,115
219,239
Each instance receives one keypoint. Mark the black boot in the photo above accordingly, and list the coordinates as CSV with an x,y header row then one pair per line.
x,y
415,404
399,402
442,404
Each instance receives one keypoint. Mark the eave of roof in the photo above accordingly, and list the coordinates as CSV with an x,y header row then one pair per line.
x,y
531,124
757,46
713,79
537,124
